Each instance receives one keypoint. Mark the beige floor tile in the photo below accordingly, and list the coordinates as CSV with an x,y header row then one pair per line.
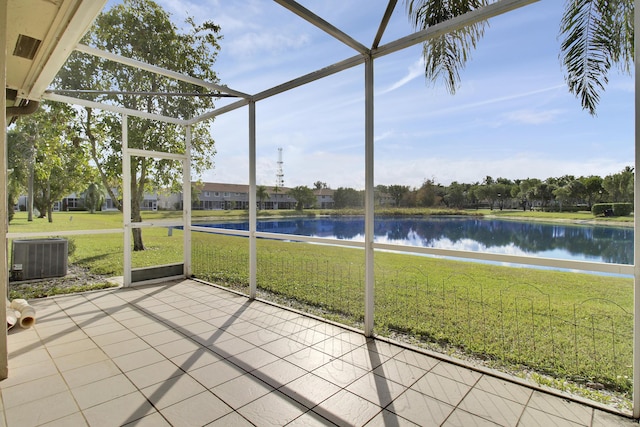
x,y
261,337
153,374
562,408
196,359
283,347
364,358
241,390
400,372
231,347
419,360
162,337
347,409
79,359
90,373
33,390
114,337
151,420
177,347
339,372
119,411
102,391
150,328
334,347
309,358
457,373
136,360
173,390
41,411
94,331
214,374
197,410
376,389
273,409
310,419
387,419
605,419
279,373
60,350
441,388
310,390
420,409
233,419
28,357
29,372
535,418
125,347
460,418
506,389
308,337
75,420
253,359
491,407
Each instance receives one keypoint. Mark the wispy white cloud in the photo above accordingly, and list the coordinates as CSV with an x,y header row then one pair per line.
x,y
533,117
415,70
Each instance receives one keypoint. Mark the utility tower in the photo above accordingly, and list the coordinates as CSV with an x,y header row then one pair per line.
x,y
280,172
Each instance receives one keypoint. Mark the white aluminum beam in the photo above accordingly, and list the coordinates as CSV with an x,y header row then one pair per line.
x,y
253,255
325,26
186,203
469,18
113,108
4,262
311,77
369,301
157,70
383,24
636,226
210,114
126,203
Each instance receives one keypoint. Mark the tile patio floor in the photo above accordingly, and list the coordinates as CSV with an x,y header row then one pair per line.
x,y
188,354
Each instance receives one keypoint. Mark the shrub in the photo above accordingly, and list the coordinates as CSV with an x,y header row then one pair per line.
x,y
612,209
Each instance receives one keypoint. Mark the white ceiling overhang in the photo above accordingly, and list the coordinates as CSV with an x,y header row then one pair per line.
x,y
41,34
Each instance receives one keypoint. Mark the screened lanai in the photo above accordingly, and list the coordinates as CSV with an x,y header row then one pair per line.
x,y
363,58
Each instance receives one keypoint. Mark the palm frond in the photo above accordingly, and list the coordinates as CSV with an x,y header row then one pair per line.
x,y
596,34
447,55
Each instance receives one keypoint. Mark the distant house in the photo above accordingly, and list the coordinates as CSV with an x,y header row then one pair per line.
x,y
324,197
221,196
75,202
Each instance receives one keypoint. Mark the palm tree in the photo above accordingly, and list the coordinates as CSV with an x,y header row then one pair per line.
x,y
94,197
261,194
595,34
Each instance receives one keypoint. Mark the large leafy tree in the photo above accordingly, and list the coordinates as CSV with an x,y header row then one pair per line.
x,y
304,196
595,35
142,30
46,157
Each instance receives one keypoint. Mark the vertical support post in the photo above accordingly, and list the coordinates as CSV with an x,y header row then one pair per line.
x,y
126,202
4,272
186,203
636,226
253,256
368,200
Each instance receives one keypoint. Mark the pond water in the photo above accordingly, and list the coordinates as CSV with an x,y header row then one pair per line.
x,y
560,241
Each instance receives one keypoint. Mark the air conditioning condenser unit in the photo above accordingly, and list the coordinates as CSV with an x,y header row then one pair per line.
x,y
38,259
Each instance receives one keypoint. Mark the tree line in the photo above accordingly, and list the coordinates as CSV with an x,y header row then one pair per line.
x,y
556,193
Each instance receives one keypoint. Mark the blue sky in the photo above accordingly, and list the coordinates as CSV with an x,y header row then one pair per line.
x,y
511,117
